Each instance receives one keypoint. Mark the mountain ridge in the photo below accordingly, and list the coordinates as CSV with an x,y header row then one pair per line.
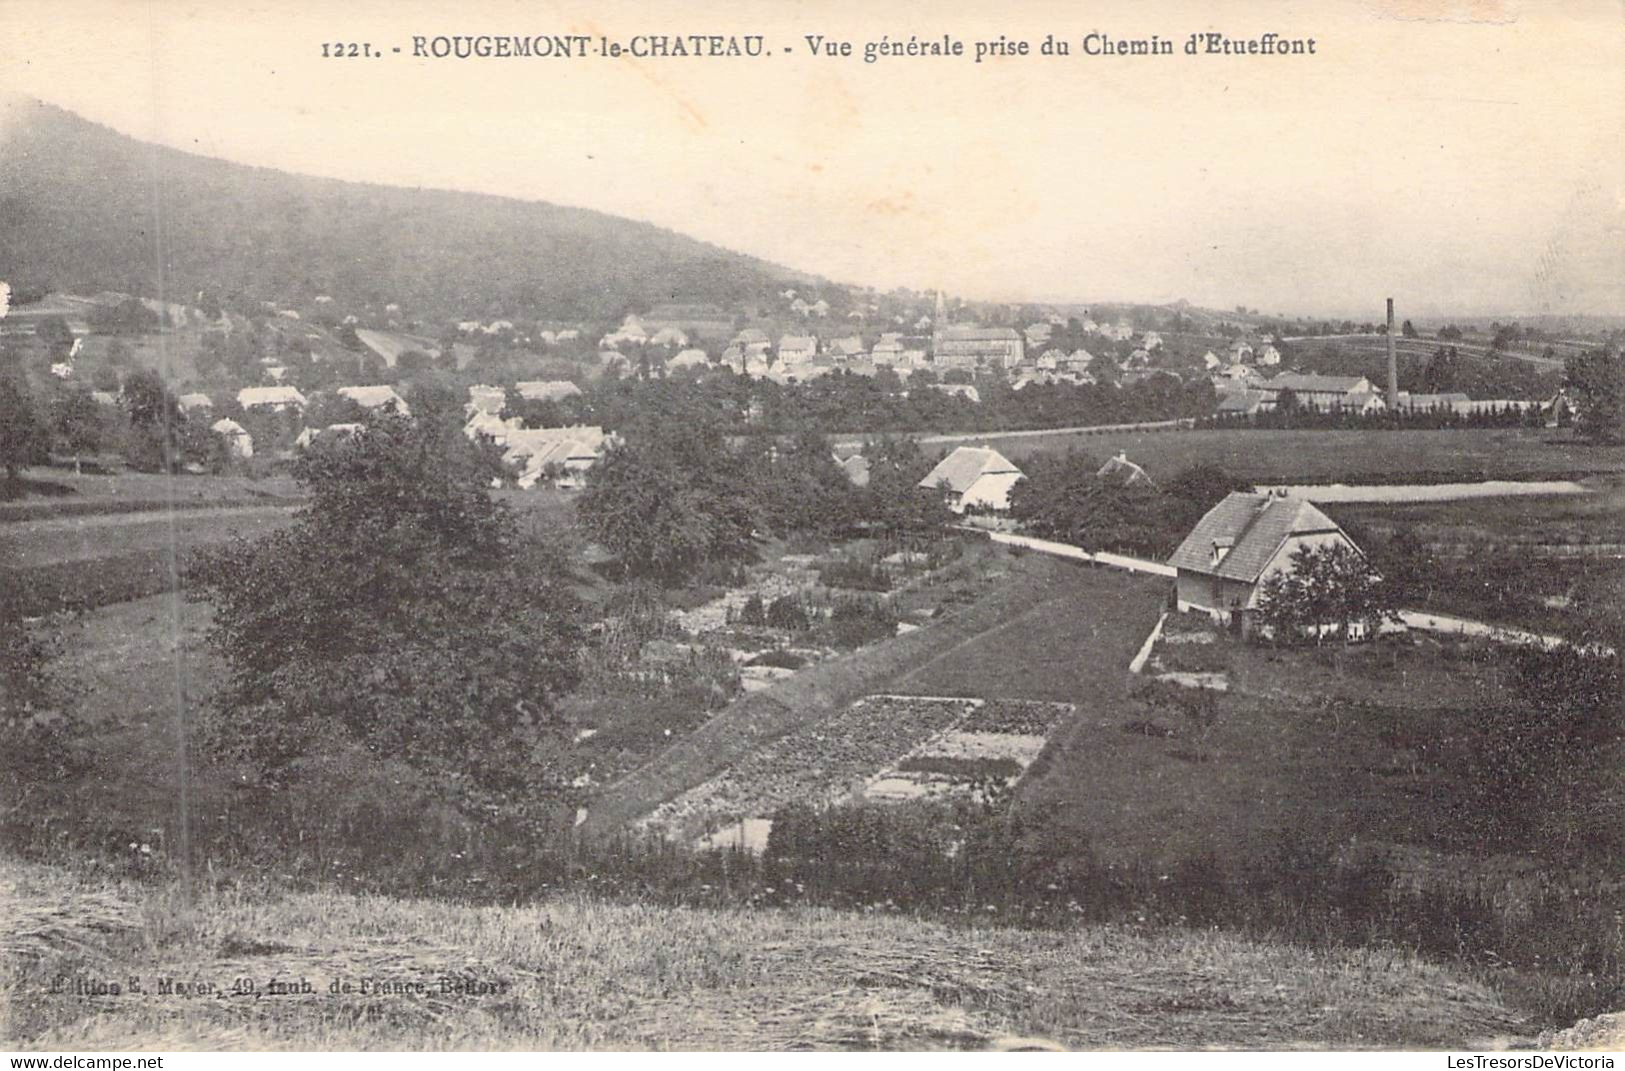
x,y
80,211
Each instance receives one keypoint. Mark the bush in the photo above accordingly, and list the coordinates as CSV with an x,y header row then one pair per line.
x,y
778,659
752,613
855,622
787,612
854,575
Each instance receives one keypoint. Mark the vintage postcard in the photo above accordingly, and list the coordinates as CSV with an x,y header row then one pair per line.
x,y
813,526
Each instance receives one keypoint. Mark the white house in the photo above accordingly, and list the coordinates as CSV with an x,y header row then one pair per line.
x,y
1222,564
559,455
546,390
484,398
797,349
688,359
238,442
974,477
274,398
375,397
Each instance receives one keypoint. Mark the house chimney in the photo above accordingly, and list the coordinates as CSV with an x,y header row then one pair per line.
x,y
1393,364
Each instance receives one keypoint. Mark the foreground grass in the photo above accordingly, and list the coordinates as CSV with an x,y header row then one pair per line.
x,y
575,973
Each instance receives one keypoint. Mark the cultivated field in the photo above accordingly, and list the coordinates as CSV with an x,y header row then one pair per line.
x,y
1012,605
578,974
1331,456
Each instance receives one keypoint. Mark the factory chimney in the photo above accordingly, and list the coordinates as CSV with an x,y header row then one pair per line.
x,y
1393,365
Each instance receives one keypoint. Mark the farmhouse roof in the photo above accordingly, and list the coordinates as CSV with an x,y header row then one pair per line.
x,y
249,397
194,401
546,390
544,445
1243,401
856,468
484,398
1254,527
1306,383
979,334
374,397
689,359
991,490
1121,470
965,466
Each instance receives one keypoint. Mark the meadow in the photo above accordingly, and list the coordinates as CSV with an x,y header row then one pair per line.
x,y
574,973
1323,456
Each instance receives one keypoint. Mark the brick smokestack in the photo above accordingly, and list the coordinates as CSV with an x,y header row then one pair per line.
x,y
1393,364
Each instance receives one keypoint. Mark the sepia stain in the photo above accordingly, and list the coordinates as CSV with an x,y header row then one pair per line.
x,y
1486,12
687,109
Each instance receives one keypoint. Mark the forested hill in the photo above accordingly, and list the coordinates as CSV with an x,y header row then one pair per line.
x,y
79,206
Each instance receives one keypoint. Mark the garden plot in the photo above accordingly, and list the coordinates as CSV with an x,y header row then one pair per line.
x,y
818,763
1189,653
994,745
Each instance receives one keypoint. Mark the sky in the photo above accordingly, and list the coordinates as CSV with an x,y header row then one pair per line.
x,y
1464,156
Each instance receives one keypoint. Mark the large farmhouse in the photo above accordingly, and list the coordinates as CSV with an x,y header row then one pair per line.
x,y
1222,564
972,347
974,477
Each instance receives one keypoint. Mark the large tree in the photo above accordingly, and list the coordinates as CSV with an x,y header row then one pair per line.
x,y
402,618
22,432
670,497
1329,590
1595,380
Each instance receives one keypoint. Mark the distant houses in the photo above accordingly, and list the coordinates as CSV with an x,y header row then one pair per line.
x,y
546,390
974,347
1125,473
960,390
275,399
1222,564
695,321
239,443
377,397
974,478
560,456
797,349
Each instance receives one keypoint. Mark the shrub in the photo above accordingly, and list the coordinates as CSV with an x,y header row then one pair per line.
x,y
753,612
778,659
786,612
854,575
857,621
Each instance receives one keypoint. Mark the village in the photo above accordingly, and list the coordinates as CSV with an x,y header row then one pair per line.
x,y
492,598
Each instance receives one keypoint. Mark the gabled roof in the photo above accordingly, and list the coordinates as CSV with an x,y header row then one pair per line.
x,y
1244,401
689,359
543,445
483,398
1120,469
979,334
1302,383
856,468
1254,527
991,490
546,390
374,397
965,466
249,397
194,401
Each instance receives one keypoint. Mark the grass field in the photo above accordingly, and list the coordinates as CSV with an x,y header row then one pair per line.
x,y
1329,456
31,544
580,974
1551,520
1303,747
